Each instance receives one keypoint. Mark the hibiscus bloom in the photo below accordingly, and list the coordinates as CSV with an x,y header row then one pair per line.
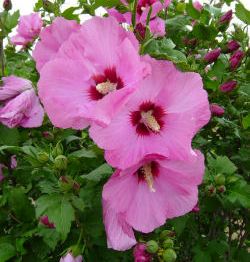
x,y
20,104
156,25
93,75
143,196
52,37
161,117
29,28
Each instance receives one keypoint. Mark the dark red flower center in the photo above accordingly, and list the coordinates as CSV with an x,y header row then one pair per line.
x,y
105,83
148,119
147,173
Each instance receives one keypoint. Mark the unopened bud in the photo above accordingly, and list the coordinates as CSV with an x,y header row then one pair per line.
x,y
168,243
217,110
212,56
58,150
167,233
152,246
61,162
228,86
169,255
220,179
7,5
221,189
43,157
48,6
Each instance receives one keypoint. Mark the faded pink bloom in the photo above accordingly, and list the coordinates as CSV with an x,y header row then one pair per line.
x,y
226,18
23,110
232,46
146,194
235,59
228,86
29,28
196,209
70,258
157,25
52,37
120,235
12,86
13,163
140,253
98,78
153,119
212,56
217,110
45,221
197,5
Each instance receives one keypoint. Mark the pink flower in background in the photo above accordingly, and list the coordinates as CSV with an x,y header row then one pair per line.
x,y
212,56
103,67
235,59
29,28
156,24
228,86
232,46
159,120
24,110
45,221
217,110
153,190
52,37
120,235
140,253
70,258
197,5
226,17
13,163
13,86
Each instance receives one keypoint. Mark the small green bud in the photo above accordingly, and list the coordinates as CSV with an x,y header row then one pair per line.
x,y
210,190
166,233
152,247
220,179
181,6
168,243
61,162
58,150
169,255
43,157
48,6
221,189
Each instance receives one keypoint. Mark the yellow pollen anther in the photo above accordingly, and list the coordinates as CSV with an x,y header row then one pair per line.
x,y
147,171
106,87
149,120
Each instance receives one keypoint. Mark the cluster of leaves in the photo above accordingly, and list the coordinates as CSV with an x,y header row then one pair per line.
x,y
60,173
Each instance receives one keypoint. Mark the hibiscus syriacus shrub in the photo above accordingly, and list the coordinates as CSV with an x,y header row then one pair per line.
x,y
125,136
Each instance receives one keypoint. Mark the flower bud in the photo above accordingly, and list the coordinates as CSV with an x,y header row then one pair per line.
x,y
61,162
197,5
169,255
228,86
43,157
7,5
140,32
140,253
216,110
48,135
219,179
45,221
152,246
168,243
167,233
226,18
70,258
221,189
58,150
212,56
211,190
232,46
196,209
48,6
235,59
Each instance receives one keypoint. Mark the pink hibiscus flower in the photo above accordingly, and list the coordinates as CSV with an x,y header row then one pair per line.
x,y
161,117
143,196
103,67
29,28
21,106
157,25
52,37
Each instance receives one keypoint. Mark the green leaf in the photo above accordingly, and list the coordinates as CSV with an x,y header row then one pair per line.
x,y
9,136
78,203
69,14
240,193
221,164
21,205
12,20
179,224
7,251
59,211
242,13
191,11
49,235
246,121
83,153
106,3
99,173
202,256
